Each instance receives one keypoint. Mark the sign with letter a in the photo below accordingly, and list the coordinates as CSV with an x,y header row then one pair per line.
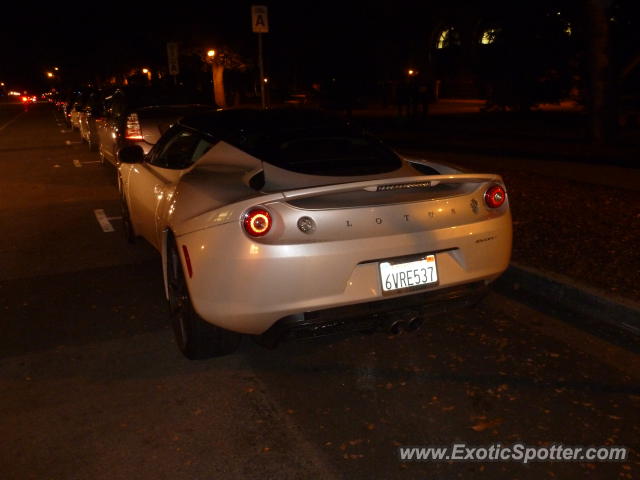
x,y
259,19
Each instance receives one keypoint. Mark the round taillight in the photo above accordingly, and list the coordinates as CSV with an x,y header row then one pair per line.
x,y
257,222
495,196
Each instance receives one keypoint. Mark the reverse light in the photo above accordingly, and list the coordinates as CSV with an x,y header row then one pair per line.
x,y
495,196
306,225
257,222
133,131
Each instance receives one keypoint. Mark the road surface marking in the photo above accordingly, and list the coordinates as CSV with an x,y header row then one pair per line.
x,y
79,164
103,220
2,127
69,142
115,218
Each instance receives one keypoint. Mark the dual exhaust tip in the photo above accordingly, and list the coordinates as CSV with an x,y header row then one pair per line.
x,y
410,323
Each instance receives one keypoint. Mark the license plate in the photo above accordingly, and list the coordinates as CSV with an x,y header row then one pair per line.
x,y
401,276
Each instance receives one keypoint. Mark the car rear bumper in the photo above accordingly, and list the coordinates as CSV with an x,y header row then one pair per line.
x,y
399,312
245,286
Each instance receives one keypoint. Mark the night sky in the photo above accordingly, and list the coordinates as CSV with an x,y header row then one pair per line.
x,y
320,37
366,39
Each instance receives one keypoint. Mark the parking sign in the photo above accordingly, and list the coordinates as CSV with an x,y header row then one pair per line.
x,y
259,19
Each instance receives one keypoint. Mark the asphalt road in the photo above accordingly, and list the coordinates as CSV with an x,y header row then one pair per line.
x,y
92,385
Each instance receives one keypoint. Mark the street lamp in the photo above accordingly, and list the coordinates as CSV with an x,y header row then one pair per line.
x,y
211,53
50,74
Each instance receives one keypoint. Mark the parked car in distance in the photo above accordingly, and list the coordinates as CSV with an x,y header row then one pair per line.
x,y
66,107
77,106
87,119
139,116
287,222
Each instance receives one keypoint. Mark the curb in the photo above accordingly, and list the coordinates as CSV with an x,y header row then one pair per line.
x,y
586,301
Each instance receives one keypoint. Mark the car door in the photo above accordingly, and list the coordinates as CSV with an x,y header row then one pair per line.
x,y
102,125
109,127
151,184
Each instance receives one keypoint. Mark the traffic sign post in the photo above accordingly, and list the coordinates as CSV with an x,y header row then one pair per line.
x,y
260,25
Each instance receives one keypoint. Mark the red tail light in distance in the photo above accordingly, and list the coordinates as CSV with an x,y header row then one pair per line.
x,y
133,131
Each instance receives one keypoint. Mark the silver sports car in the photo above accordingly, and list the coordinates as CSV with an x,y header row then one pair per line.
x,y
288,222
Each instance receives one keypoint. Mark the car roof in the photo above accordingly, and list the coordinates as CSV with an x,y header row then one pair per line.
x,y
146,96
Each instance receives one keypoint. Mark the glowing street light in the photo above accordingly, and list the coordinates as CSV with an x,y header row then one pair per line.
x,y
219,98
50,74
412,72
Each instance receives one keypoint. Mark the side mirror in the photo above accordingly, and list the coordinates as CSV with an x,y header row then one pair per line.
x,y
131,154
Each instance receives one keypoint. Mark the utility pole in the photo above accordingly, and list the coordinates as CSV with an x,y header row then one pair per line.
x,y
602,102
260,25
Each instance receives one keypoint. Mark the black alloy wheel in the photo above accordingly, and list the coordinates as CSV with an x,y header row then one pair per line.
x,y
196,338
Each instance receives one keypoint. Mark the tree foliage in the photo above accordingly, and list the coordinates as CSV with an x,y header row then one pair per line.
x,y
531,57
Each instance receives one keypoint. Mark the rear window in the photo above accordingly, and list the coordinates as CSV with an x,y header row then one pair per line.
x,y
329,153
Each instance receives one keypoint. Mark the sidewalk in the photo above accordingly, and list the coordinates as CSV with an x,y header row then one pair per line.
x,y
552,133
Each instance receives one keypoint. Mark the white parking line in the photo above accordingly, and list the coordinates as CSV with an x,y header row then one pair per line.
x,y
79,164
103,220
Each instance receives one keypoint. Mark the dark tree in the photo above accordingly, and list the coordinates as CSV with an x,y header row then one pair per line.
x,y
527,58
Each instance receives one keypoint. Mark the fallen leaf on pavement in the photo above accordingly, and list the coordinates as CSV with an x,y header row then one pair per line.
x,y
482,426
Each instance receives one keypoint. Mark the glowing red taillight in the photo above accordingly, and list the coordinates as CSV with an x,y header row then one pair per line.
x,y
133,131
257,222
495,196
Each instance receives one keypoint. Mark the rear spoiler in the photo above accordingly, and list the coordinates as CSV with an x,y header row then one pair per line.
x,y
386,184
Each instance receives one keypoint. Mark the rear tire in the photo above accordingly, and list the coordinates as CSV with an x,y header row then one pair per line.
x,y
196,338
